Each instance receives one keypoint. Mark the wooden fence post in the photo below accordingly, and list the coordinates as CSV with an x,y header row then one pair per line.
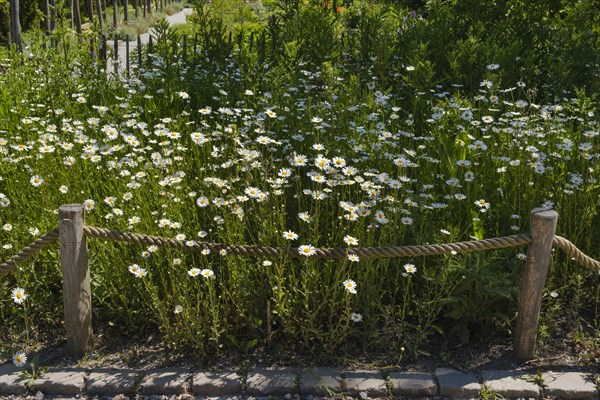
x,y
103,50
139,48
539,252
184,49
149,50
127,54
116,48
77,295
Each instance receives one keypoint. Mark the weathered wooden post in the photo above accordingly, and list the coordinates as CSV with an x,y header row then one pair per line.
x,y
116,48
139,48
77,295
93,49
539,252
261,45
103,48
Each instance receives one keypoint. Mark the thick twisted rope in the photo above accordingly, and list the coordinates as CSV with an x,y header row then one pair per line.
x,y
29,251
326,253
577,254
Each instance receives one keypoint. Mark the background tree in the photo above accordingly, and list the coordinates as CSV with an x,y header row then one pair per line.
x,y
28,12
76,16
15,23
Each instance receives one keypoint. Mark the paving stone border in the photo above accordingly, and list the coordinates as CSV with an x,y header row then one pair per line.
x,y
294,384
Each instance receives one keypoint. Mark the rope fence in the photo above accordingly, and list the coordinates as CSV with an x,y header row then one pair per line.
x,y
29,251
572,251
72,233
324,253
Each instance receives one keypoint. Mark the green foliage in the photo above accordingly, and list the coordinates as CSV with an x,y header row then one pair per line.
x,y
488,393
538,379
211,30
32,372
127,31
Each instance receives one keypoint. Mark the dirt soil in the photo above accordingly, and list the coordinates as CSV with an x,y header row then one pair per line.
x,y
115,350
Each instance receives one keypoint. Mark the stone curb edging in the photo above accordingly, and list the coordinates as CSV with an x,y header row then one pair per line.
x,y
285,382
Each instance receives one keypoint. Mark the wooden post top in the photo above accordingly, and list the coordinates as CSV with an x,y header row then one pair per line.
x,y
71,207
541,212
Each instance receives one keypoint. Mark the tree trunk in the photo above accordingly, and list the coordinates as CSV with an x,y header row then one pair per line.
x,y
52,15
47,24
77,16
99,11
15,23
115,19
90,10
70,9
